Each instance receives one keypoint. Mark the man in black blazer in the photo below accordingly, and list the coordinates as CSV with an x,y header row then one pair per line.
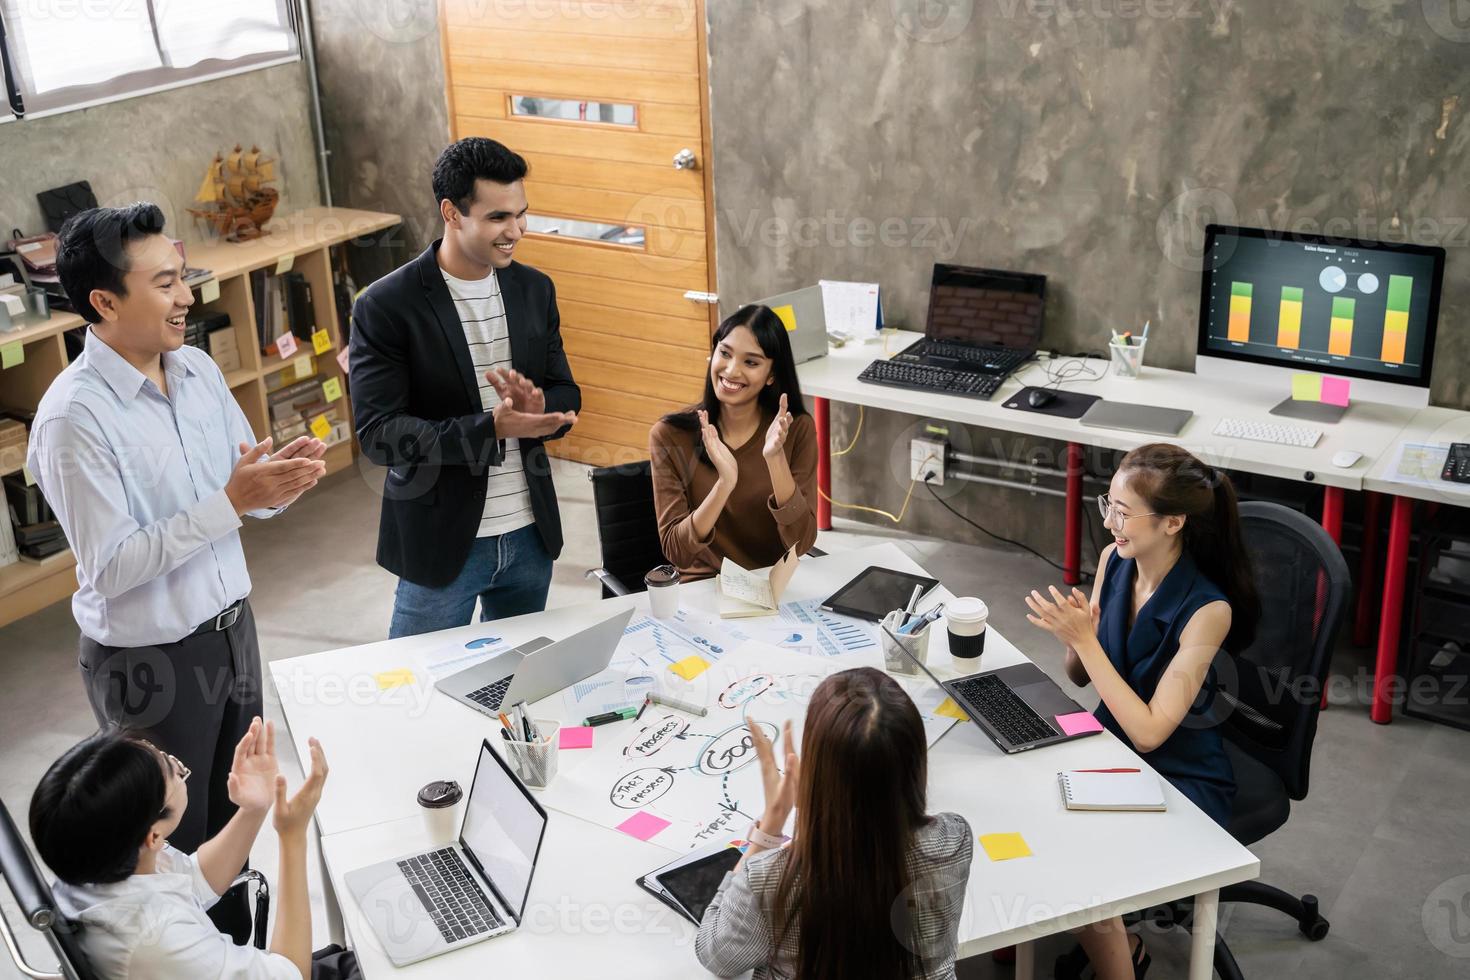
x,y
458,377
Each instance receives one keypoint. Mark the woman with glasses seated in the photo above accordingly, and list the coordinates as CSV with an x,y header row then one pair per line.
x,y
101,818
1173,589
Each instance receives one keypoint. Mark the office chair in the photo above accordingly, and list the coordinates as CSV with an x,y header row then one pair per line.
x,y
38,907
627,527
1270,698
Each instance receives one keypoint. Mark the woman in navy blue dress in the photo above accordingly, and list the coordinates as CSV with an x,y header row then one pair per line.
x,y
1173,589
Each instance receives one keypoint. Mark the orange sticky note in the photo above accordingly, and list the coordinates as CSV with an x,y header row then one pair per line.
x,y
690,667
1004,847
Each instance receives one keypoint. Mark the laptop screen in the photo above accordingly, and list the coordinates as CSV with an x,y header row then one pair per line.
x,y
985,307
503,827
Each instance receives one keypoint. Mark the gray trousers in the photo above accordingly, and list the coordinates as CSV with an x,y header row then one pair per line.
x,y
195,699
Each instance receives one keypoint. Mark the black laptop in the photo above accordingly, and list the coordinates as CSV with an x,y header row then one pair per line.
x,y
981,320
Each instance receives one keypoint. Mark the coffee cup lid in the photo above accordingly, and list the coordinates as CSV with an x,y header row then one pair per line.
x,y
966,609
439,794
662,575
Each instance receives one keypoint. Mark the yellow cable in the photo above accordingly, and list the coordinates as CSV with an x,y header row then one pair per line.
x,y
895,518
856,433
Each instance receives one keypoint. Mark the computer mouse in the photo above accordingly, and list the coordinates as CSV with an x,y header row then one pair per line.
x,y
1040,397
1345,458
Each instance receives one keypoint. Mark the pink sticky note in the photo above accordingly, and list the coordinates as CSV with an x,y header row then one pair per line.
x,y
576,738
286,344
1335,391
642,825
1078,722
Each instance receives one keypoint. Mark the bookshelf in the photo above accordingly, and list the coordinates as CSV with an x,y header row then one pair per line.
x,y
304,239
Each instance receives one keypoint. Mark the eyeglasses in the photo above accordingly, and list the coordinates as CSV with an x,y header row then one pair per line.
x,y
1105,508
174,763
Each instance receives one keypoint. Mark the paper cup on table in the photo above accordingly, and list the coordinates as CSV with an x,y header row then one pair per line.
x,y
965,620
439,802
535,762
916,643
662,585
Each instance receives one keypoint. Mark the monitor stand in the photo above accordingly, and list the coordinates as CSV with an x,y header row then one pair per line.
x,y
1310,411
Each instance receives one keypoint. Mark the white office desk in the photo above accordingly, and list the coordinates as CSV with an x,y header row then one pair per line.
x,y
1368,428
383,745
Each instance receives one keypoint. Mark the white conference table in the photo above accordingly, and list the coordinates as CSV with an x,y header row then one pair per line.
x,y
1373,429
382,745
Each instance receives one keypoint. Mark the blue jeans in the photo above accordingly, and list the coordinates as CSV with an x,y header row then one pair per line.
x,y
509,573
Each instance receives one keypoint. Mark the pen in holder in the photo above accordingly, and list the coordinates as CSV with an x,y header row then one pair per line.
x,y
535,762
916,643
1127,357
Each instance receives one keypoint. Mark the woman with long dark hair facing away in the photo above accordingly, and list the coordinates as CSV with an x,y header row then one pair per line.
x,y
870,885
736,475
1173,589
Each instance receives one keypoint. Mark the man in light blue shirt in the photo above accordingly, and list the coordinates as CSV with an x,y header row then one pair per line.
x,y
141,450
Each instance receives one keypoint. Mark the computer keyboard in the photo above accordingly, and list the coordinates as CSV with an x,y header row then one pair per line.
x,y
451,894
1012,718
927,377
990,360
491,694
1283,435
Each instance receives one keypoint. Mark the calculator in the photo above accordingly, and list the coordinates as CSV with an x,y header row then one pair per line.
x,y
1457,463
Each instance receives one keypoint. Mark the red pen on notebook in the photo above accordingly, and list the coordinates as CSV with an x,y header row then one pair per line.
x,y
1109,770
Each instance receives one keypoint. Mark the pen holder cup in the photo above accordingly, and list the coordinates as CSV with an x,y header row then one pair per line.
x,y
535,762
916,643
1127,358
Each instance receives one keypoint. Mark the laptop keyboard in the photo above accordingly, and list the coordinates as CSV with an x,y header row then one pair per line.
x,y
994,360
1012,718
491,694
451,894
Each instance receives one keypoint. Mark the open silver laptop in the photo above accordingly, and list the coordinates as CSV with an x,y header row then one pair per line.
x,y
434,901
537,668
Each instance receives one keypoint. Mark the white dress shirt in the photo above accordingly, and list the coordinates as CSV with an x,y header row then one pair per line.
x,y
154,926
137,478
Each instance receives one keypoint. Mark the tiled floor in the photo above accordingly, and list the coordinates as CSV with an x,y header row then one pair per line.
x,y
1383,839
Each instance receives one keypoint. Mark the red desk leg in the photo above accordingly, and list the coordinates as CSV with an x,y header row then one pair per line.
x,y
1395,572
1367,566
1072,547
824,464
1333,499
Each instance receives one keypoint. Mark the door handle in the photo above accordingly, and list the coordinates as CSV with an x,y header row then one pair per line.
x,y
695,296
685,160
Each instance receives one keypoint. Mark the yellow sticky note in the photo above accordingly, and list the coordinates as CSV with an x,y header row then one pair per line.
x,y
1003,847
284,263
690,667
12,354
390,679
948,709
209,291
320,427
321,341
786,315
301,367
1306,387
331,390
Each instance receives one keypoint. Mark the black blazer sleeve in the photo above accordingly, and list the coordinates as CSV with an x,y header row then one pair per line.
x,y
390,435
562,393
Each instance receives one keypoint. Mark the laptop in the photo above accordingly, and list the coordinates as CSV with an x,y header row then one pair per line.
x,y
434,901
1016,706
536,668
986,321
805,317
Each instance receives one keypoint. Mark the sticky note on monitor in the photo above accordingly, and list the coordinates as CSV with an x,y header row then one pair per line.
x,y
1335,391
1004,847
1306,387
643,825
786,315
1078,722
690,667
389,679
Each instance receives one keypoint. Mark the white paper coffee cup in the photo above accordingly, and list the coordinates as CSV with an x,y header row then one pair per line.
x,y
965,620
662,584
439,802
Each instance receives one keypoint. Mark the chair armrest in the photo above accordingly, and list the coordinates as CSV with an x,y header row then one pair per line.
x,y
262,902
815,552
11,947
608,579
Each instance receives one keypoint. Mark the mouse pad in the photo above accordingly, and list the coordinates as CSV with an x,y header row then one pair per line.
x,y
1066,405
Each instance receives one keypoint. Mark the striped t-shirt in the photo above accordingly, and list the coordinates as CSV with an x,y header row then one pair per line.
x,y
482,315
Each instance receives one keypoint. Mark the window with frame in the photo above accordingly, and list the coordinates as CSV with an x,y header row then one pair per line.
x,y
69,54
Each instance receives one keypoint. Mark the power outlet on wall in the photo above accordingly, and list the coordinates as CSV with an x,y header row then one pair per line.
x,y
927,460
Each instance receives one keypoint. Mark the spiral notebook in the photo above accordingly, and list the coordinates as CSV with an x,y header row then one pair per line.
x,y
1111,790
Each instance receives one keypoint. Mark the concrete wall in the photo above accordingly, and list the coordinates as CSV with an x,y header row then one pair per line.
x,y
382,81
156,147
1090,140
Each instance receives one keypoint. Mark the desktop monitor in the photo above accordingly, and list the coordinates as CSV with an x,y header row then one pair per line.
x,y
1273,304
985,307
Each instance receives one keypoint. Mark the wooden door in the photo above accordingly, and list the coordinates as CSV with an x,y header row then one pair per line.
x,y
607,101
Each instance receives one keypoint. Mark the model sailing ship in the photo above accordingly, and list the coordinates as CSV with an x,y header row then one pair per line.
x,y
237,202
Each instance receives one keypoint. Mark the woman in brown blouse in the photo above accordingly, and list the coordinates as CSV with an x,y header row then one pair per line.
x,y
736,475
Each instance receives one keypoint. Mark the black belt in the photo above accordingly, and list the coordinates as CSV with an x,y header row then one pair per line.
x,y
223,621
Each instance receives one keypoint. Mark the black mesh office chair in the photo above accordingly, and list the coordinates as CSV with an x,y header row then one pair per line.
x,y
38,907
627,527
1271,696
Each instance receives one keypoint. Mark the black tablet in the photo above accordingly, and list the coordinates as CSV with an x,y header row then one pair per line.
x,y
692,885
876,592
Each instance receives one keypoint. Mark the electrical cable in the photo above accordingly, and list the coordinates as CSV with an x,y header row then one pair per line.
x,y
1084,575
895,518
